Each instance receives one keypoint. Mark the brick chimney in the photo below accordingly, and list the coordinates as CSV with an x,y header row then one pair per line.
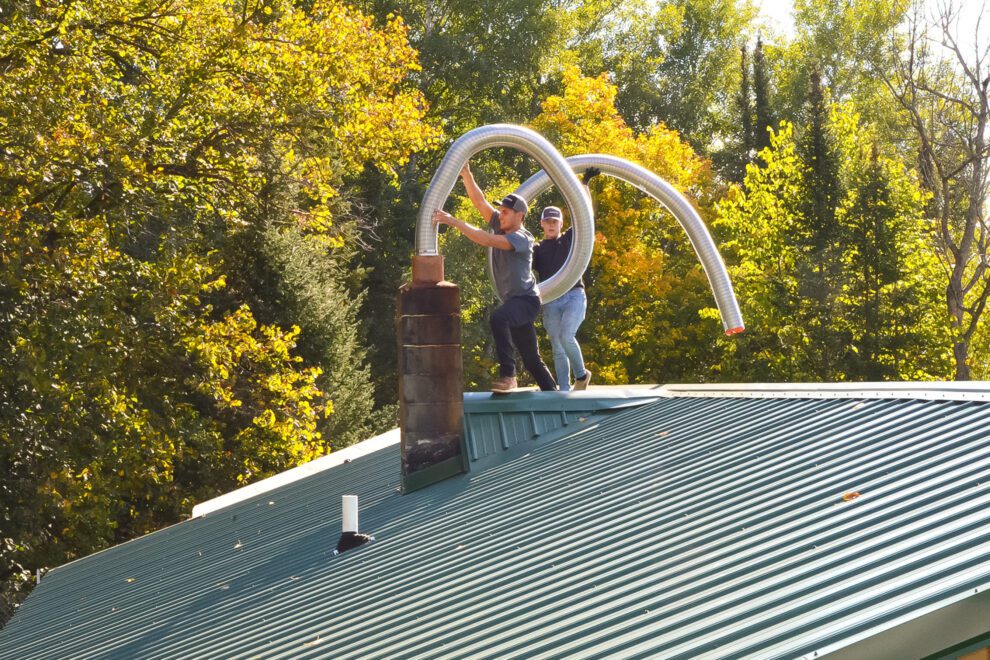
x,y
431,377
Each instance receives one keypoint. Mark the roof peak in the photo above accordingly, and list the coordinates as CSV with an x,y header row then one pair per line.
x,y
974,390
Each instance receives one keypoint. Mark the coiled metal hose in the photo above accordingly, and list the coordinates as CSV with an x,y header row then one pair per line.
x,y
560,171
555,169
680,208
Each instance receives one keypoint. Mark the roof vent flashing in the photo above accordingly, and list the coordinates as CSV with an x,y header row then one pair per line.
x,y
350,537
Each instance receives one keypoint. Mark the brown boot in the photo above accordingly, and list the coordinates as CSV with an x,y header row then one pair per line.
x,y
582,383
504,384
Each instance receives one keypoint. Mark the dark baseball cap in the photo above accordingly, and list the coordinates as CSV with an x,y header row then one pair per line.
x,y
552,213
514,202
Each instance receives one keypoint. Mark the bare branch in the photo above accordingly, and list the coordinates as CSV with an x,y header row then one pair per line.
x,y
945,97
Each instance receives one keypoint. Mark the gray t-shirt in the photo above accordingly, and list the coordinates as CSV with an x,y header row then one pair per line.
x,y
514,268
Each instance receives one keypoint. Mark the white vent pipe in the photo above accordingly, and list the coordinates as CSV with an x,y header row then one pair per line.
x,y
554,167
677,204
350,514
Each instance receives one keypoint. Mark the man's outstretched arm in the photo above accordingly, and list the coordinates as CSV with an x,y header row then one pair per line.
x,y
476,194
476,234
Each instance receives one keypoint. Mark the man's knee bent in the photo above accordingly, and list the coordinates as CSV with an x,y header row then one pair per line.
x,y
499,318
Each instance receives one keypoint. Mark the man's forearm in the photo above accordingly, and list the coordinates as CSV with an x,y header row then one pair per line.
x,y
480,236
475,234
475,193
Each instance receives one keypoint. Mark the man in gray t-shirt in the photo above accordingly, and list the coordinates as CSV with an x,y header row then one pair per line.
x,y
513,269
512,261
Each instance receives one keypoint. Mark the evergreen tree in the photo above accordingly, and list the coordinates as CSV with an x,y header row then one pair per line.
x,y
890,280
819,237
872,311
391,209
294,280
745,104
761,95
876,259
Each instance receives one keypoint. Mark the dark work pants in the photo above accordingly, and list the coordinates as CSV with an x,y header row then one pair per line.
x,y
512,323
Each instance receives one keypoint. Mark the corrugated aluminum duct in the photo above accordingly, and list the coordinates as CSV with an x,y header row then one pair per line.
x,y
677,204
555,169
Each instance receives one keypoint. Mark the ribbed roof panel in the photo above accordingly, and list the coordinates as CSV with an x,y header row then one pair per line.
x,y
686,527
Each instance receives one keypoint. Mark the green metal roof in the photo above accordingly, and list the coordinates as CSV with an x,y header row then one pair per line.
x,y
693,525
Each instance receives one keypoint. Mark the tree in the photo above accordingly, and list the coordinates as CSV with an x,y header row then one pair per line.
x,y
843,43
481,63
881,293
758,220
650,316
292,279
761,93
819,272
745,105
944,96
140,140
675,62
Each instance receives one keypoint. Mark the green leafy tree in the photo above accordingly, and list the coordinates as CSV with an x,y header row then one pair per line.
x,y
843,43
138,142
676,62
649,313
882,293
481,63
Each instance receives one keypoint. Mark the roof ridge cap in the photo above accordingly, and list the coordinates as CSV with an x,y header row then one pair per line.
x,y
331,460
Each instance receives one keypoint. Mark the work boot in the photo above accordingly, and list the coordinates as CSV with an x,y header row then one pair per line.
x,y
504,384
582,383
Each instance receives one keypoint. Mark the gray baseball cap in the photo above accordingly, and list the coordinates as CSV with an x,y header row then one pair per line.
x,y
514,202
552,213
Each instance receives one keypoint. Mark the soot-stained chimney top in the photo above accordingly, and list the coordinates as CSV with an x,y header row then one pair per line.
x,y
431,379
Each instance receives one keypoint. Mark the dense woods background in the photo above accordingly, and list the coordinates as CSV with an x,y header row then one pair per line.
x,y
206,210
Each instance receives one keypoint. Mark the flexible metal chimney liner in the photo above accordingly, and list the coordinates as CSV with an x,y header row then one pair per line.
x,y
555,170
677,204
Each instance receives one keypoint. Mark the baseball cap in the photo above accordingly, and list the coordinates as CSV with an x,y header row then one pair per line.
x,y
552,213
515,202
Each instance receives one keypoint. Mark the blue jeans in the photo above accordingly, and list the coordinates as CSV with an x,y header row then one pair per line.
x,y
562,318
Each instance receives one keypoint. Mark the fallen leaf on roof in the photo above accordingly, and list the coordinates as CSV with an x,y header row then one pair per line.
x,y
846,497
129,580
314,642
238,545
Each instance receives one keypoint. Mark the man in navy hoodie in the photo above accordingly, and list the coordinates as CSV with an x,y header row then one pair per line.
x,y
562,317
